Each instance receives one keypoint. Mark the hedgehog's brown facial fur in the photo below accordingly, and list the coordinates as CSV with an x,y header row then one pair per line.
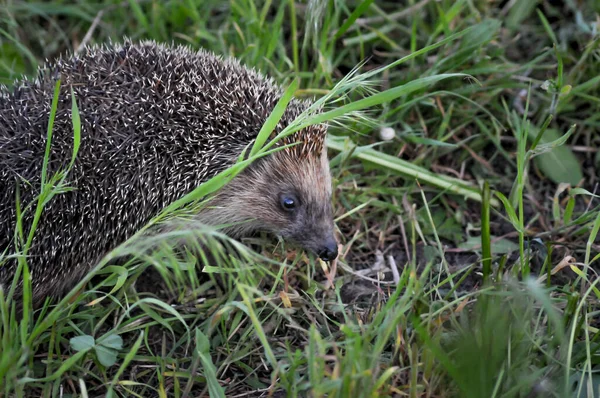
x,y
283,194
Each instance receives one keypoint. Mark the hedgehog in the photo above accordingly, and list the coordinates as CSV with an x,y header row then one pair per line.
x,y
157,120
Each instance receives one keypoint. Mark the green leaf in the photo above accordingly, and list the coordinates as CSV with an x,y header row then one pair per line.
x,y
501,246
202,343
406,168
584,378
569,211
113,341
76,128
274,118
384,96
557,163
547,26
546,147
82,343
592,238
210,371
486,237
510,210
565,90
106,356
582,191
106,350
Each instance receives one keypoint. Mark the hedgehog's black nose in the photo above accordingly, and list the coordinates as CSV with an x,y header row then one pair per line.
x,y
329,252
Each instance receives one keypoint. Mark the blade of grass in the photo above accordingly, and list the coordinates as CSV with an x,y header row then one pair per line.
x,y
271,122
408,169
486,241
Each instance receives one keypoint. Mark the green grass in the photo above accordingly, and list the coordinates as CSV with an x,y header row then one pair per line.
x,y
469,265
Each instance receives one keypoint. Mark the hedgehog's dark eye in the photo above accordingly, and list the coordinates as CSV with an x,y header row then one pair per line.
x,y
289,203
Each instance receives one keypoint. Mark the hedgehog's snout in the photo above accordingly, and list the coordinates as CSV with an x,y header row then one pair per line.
x,y
329,251
316,238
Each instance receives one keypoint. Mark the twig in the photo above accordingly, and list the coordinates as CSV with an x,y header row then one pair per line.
x,y
90,31
394,267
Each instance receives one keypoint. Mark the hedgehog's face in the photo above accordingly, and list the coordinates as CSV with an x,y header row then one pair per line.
x,y
286,196
307,223
297,200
